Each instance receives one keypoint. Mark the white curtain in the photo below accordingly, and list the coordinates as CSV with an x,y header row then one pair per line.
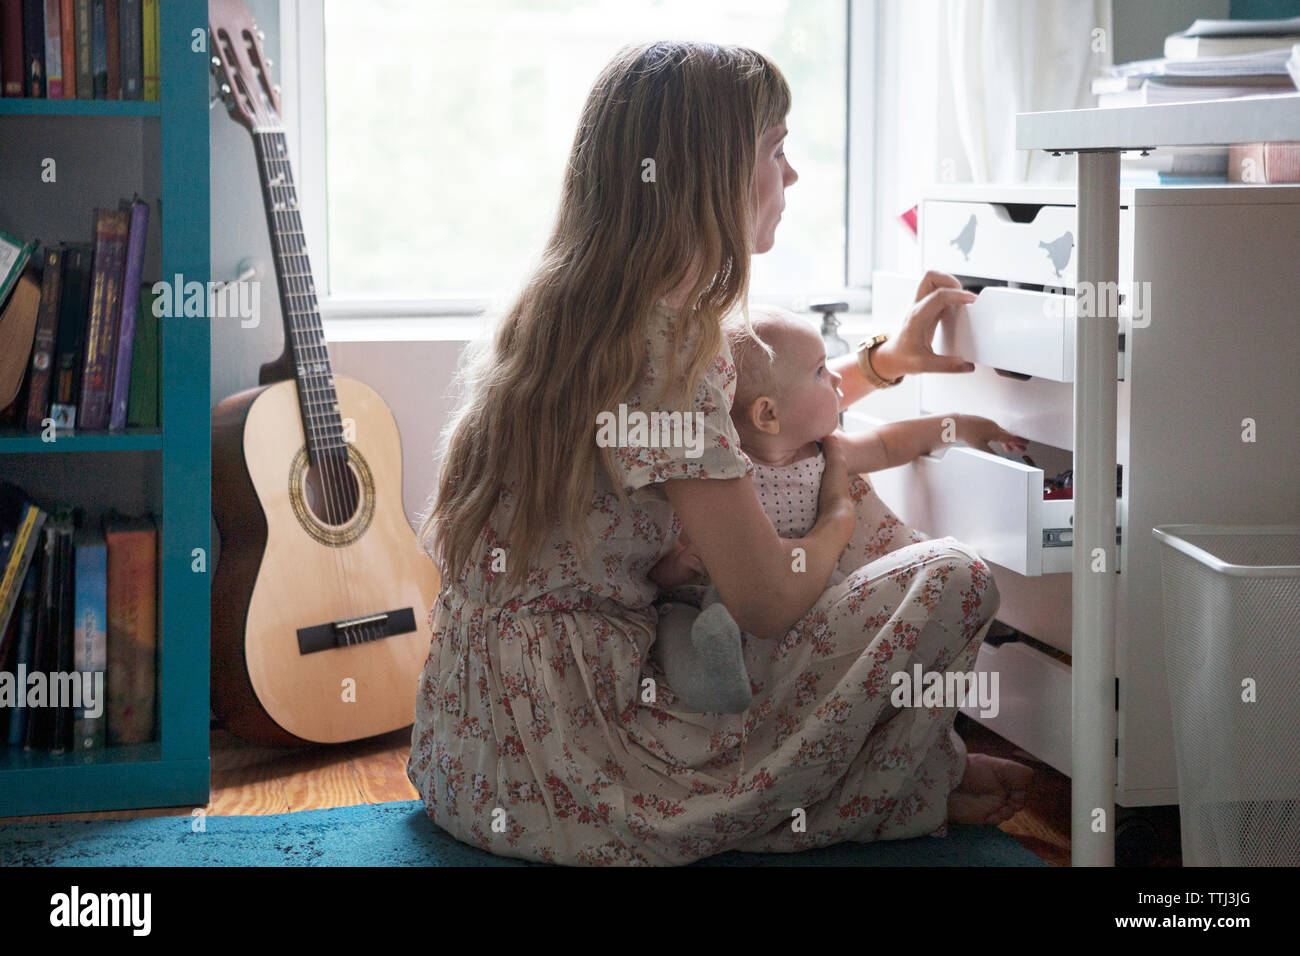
x,y
951,77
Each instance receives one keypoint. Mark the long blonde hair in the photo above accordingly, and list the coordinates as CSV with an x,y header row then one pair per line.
x,y
627,232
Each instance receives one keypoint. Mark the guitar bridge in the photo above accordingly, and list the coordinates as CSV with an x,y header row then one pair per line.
x,y
355,630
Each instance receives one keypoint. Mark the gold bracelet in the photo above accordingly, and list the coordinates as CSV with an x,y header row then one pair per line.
x,y
864,362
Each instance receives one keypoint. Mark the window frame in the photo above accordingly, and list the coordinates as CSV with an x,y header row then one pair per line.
x,y
302,65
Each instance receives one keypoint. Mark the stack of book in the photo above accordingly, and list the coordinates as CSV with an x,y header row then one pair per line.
x,y
1210,60
79,340
78,628
80,49
1213,60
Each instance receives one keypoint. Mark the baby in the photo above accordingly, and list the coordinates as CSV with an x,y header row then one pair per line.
x,y
781,408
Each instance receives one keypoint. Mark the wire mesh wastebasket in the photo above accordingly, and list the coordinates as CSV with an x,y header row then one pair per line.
x,y
1232,651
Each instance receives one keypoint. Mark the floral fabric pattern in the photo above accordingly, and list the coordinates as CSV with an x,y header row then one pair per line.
x,y
544,730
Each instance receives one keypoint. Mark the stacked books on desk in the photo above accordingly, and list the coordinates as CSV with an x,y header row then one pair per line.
x,y
1212,60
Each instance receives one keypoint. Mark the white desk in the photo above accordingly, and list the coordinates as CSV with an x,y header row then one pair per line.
x,y
1098,136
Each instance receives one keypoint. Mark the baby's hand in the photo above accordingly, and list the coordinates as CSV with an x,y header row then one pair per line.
x,y
978,432
681,565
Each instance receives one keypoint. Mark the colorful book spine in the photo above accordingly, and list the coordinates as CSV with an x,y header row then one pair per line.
x,y
26,539
13,259
23,653
62,710
152,52
112,227
98,50
47,324
132,628
11,45
91,640
85,47
34,48
53,51
132,51
73,308
68,29
113,48
142,407
130,310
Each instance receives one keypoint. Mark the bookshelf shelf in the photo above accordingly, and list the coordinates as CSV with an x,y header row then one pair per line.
x,y
173,770
132,439
23,107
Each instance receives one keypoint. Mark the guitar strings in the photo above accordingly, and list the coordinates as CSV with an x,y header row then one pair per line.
x,y
330,470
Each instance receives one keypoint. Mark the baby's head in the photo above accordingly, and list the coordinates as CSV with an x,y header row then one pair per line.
x,y
790,398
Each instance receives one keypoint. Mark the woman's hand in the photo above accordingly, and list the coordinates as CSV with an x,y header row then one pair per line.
x,y
910,351
834,496
681,565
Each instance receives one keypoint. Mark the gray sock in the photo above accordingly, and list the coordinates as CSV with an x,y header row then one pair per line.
x,y
702,655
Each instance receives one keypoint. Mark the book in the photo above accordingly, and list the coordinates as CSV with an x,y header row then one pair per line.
x,y
61,734
1276,162
132,627
130,308
35,733
68,28
112,227
25,519
85,63
23,650
11,47
98,51
90,638
34,48
151,53
53,50
73,309
1230,37
132,56
47,323
14,254
113,49
17,332
143,406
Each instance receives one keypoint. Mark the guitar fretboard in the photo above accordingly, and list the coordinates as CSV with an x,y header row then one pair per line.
x,y
304,335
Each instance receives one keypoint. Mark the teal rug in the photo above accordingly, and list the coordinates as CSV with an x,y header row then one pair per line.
x,y
399,834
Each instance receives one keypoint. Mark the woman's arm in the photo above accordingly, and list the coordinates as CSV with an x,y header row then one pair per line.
x,y
758,578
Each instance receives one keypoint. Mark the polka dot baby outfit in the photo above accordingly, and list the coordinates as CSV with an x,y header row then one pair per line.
x,y
534,738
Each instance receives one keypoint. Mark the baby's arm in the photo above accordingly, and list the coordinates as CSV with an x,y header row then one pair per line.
x,y
899,443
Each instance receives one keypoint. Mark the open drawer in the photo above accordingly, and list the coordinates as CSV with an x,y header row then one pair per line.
x,y
1022,331
994,504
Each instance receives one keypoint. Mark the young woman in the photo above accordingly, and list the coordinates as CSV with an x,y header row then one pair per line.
x,y
543,729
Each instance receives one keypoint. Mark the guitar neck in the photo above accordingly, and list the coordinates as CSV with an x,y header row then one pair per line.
x,y
304,336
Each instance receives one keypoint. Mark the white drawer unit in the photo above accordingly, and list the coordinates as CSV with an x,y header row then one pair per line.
x,y
1208,424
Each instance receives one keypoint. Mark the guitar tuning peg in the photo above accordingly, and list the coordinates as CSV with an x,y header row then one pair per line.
x,y
261,35
276,87
225,89
216,61
270,63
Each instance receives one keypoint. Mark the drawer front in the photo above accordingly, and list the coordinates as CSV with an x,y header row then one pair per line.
x,y
1017,330
1037,408
1033,701
991,503
981,239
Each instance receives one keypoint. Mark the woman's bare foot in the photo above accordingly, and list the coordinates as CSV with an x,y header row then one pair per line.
x,y
993,790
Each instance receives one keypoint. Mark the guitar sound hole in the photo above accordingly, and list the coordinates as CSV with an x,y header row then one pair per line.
x,y
332,491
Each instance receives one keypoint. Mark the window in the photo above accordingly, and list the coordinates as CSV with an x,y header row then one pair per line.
x,y
444,128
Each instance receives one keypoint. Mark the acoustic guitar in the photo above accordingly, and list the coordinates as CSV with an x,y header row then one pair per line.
x,y
322,591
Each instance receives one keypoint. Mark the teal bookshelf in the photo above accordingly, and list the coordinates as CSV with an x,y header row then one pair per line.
x,y
175,459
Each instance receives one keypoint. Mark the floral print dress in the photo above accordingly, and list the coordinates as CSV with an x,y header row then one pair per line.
x,y
545,731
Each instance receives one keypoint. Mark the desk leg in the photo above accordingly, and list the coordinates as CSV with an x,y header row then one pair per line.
x,y
1092,786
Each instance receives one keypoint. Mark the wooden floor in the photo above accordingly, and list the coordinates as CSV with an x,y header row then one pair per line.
x,y
257,780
